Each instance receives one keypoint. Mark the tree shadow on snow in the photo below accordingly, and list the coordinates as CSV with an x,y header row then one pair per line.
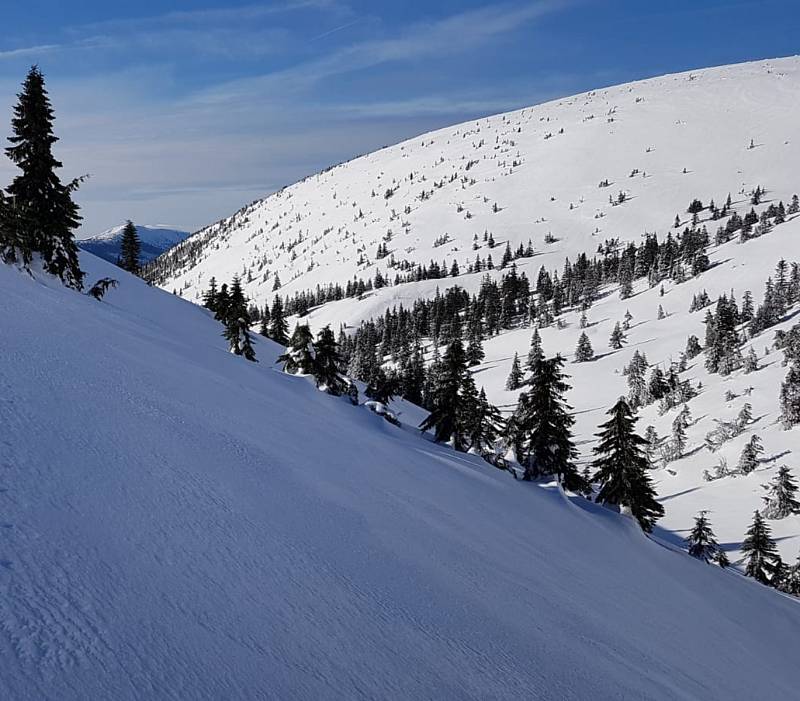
x,y
679,494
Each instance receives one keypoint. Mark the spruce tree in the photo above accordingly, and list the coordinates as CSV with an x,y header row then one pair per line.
x,y
130,249
381,387
583,351
44,214
703,544
543,427
237,323
484,426
621,468
299,356
751,361
790,397
448,377
693,348
760,551
678,444
626,323
327,363
791,583
475,354
210,295
618,338
780,500
278,328
222,302
748,460
535,354
745,417
515,377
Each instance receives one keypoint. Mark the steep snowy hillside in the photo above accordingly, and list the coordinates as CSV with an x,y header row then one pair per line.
x,y
518,176
180,523
155,240
558,169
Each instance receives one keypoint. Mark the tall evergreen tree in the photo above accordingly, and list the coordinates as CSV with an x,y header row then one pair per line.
x,y
131,249
760,551
543,426
748,460
327,363
618,338
703,544
515,377
583,351
237,323
790,397
381,387
535,354
222,303
278,328
484,425
299,356
448,377
210,295
621,468
44,214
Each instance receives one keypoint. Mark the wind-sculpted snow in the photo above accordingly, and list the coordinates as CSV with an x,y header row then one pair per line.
x,y
180,523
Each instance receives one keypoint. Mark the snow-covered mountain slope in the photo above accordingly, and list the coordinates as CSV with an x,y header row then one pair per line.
x,y
155,240
542,179
663,142
180,523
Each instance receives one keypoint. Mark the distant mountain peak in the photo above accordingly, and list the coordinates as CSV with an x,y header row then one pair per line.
x,y
155,239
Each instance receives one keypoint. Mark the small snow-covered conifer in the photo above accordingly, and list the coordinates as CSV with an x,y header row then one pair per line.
x,y
583,351
781,500
760,552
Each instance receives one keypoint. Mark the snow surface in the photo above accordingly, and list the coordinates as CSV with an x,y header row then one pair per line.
x,y
702,121
180,523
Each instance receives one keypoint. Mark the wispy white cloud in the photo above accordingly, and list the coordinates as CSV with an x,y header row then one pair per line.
x,y
449,36
159,149
24,52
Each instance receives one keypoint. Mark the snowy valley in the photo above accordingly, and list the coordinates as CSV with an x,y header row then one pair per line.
x,y
452,420
582,175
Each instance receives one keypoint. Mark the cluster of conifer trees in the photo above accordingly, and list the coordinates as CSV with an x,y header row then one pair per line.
x,y
761,558
230,308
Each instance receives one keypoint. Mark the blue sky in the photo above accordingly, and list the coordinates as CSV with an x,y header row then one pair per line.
x,y
182,112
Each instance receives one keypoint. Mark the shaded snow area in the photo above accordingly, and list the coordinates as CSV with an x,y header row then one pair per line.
x,y
663,142
180,523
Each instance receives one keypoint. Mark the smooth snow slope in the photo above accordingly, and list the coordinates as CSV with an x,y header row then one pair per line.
x,y
180,523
